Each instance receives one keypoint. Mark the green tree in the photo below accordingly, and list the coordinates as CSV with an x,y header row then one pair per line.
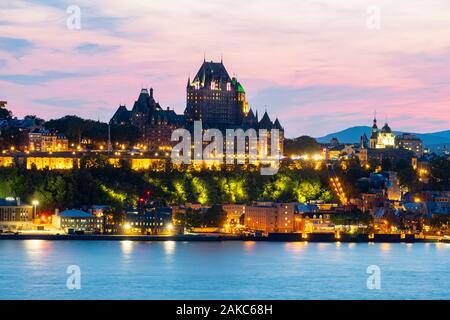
x,y
301,145
406,174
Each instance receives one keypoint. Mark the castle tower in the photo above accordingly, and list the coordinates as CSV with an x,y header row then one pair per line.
x,y
215,98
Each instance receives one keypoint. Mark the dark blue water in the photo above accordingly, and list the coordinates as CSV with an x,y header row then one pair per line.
x,y
36,269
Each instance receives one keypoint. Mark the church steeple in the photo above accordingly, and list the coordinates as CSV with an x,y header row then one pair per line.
x,y
374,136
375,122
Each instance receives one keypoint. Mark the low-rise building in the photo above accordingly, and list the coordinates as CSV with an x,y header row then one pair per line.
x,y
77,220
410,142
310,218
46,140
270,217
235,213
152,221
15,215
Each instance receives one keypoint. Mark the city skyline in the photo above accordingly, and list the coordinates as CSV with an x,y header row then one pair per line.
x,y
287,57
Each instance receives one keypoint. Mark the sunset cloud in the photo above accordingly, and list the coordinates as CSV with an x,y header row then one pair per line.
x,y
314,64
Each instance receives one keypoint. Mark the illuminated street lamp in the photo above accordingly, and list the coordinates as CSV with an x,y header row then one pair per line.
x,y
35,203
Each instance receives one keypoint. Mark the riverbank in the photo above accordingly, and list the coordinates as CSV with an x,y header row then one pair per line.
x,y
273,237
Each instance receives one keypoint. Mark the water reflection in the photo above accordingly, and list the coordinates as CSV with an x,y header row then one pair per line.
x,y
36,248
296,247
385,247
249,246
441,246
169,247
126,247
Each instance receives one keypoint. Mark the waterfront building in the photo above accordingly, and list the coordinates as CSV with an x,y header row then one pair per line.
x,y
270,217
15,215
150,221
235,213
47,141
77,220
310,218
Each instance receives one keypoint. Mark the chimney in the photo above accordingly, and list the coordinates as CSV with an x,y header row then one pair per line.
x,y
56,212
151,92
18,201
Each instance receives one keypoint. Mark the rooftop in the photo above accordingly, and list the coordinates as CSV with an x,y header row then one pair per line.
x,y
75,214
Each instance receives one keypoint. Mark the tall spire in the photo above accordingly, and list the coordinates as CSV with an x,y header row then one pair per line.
x,y
374,120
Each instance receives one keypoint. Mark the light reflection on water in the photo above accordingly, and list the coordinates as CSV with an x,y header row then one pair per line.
x,y
126,247
169,247
222,270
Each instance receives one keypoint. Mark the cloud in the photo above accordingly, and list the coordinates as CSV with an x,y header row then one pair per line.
x,y
38,79
62,103
17,46
313,63
92,48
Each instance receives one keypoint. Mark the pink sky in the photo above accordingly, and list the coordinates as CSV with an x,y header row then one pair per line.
x,y
314,64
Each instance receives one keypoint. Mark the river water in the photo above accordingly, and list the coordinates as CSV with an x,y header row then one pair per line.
x,y
37,269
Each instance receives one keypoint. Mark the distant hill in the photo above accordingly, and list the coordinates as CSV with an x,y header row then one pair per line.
x,y
352,135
